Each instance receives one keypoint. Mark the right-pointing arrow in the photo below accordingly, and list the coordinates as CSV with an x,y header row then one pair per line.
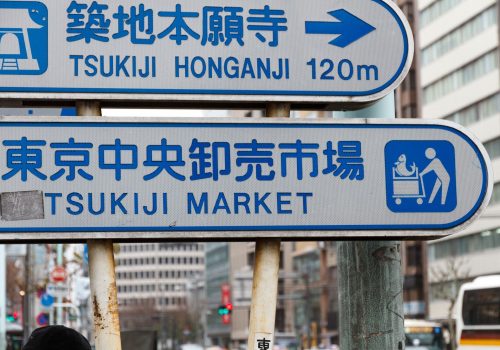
x,y
350,28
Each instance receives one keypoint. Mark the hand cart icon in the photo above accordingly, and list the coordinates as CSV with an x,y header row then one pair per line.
x,y
407,187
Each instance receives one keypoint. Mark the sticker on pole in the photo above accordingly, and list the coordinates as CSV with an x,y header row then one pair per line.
x,y
311,51
235,179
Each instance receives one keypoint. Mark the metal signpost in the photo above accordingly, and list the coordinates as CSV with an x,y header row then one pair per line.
x,y
102,180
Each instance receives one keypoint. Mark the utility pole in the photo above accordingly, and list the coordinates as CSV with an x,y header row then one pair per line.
x,y
370,282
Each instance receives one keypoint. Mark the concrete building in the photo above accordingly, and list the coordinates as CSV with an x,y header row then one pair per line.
x,y
458,42
316,291
413,253
152,281
222,261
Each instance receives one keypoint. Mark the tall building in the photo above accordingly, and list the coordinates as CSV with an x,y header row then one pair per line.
x,y
222,261
459,43
413,253
152,280
408,99
316,291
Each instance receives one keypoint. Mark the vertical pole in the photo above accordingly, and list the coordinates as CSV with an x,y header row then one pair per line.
x,y
264,295
3,296
103,296
370,282
307,299
324,300
59,317
265,274
28,293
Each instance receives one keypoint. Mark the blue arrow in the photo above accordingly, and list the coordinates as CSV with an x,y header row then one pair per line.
x,y
350,28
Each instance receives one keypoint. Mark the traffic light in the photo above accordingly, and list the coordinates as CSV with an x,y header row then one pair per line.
x,y
225,309
12,317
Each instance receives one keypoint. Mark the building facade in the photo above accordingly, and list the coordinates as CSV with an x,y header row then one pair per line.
x,y
459,56
152,283
316,293
413,253
222,261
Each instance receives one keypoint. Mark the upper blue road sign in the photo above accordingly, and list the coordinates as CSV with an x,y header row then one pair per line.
x,y
231,178
296,51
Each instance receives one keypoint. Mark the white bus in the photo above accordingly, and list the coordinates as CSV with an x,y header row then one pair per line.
x,y
478,314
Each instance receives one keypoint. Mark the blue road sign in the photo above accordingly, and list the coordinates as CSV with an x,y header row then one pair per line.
x,y
42,319
46,300
229,179
311,51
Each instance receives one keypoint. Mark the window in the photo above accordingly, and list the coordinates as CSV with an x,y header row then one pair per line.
x,y
457,37
435,10
461,77
493,148
414,255
477,112
481,307
409,111
489,239
495,196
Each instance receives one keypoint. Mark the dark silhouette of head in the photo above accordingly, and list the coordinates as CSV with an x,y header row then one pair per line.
x,y
56,338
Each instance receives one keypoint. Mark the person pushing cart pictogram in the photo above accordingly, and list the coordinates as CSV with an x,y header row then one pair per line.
x,y
408,181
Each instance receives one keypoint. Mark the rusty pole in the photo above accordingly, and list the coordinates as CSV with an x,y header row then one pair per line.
x,y
104,297
370,281
265,274
264,294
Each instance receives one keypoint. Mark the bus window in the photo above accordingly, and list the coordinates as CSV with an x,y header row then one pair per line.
x,y
481,307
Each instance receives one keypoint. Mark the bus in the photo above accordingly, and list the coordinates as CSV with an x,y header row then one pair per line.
x,y
423,335
478,314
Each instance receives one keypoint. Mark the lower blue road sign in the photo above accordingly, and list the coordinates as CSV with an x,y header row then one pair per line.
x,y
42,319
231,179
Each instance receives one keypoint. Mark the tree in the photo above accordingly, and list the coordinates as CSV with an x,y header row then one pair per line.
x,y
447,280
15,281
